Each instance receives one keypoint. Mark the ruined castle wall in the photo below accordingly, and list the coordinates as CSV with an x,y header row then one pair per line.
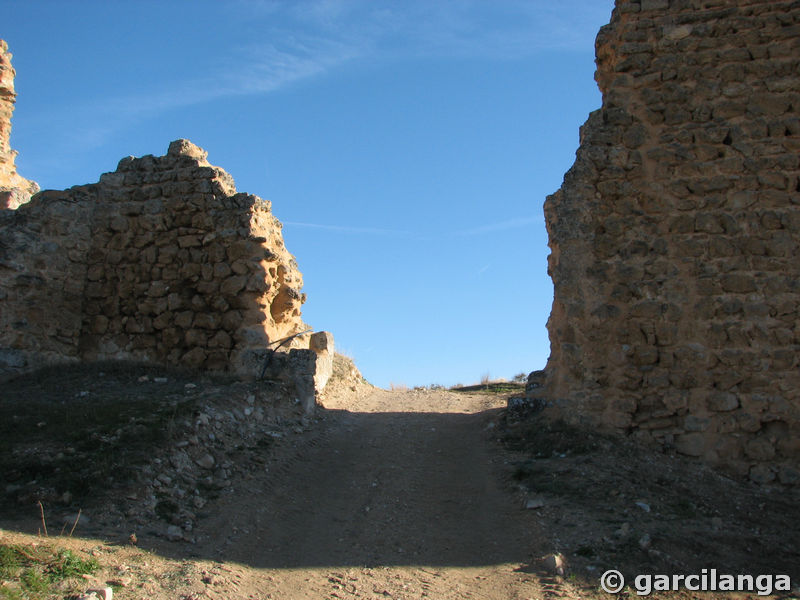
x,y
43,250
675,236
161,261
14,189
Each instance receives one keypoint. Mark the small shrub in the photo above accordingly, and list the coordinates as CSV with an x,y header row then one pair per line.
x,y
32,571
67,564
9,562
34,581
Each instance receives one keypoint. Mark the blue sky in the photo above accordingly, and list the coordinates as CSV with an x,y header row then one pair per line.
x,y
407,146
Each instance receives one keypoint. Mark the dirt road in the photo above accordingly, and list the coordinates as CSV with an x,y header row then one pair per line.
x,y
398,496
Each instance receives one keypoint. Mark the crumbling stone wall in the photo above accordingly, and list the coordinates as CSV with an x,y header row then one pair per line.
x,y
160,261
675,237
14,190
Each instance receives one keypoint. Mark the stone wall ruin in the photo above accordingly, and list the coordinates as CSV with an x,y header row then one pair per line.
x,y
14,189
675,237
161,261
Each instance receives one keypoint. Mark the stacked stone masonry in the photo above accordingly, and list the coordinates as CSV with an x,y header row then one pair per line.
x,y
160,261
675,237
14,189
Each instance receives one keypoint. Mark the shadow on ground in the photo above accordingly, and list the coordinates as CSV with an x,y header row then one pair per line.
x,y
377,489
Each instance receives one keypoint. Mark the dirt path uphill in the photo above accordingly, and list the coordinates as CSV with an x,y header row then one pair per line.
x,y
396,494
406,495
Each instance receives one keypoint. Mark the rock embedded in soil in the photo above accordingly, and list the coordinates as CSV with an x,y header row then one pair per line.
x,y
206,461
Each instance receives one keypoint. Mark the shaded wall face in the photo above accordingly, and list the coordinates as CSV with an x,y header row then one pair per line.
x,y
160,261
675,236
42,273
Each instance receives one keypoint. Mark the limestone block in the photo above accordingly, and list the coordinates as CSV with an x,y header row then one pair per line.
x,y
695,423
233,285
302,366
723,401
207,320
162,321
762,473
187,148
196,338
220,340
789,475
195,357
691,444
323,347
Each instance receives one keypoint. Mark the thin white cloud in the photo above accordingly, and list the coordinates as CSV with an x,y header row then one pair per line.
x,y
345,228
499,30
515,223
313,37
257,69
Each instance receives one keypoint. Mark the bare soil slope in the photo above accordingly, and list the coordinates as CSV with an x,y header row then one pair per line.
x,y
422,494
405,481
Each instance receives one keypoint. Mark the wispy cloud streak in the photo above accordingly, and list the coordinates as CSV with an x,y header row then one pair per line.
x,y
346,228
516,223
311,38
